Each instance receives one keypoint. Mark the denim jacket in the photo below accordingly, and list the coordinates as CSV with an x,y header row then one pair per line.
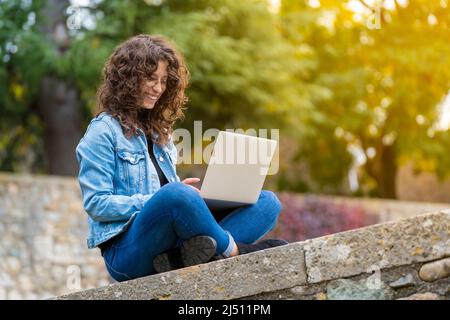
x,y
117,176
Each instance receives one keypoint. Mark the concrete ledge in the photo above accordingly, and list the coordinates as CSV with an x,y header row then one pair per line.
x,y
299,265
418,239
226,279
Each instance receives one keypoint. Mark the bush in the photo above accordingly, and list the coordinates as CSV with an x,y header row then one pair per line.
x,y
314,217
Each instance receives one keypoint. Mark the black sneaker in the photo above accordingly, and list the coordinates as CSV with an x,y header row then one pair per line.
x,y
261,245
196,250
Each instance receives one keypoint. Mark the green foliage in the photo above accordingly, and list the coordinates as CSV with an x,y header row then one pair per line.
x,y
241,67
386,84
23,60
319,74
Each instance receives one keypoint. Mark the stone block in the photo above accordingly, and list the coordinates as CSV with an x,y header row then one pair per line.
x,y
250,274
366,250
435,270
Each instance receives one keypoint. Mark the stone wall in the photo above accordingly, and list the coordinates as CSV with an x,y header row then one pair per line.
x,y
423,186
43,249
405,259
43,229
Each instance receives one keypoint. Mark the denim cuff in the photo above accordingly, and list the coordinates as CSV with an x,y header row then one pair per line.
x,y
227,252
141,198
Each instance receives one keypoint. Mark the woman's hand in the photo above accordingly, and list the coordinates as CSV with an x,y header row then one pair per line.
x,y
188,182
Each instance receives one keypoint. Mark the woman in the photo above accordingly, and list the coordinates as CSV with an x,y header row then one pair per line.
x,y
141,216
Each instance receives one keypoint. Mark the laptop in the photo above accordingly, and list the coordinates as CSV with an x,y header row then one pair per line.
x,y
237,170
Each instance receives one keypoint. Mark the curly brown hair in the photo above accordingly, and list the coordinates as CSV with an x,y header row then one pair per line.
x,y
132,63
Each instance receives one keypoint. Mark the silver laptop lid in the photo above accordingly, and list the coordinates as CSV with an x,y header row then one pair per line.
x,y
237,168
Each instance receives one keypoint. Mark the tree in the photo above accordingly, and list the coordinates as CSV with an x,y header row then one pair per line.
x,y
58,102
42,116
386,83
21,67
242,68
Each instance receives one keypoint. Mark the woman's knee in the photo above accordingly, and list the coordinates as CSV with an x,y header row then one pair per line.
x,y
272,202
174,187
180,195
177,191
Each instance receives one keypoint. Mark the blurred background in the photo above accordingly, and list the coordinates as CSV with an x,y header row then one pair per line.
x,y
358,88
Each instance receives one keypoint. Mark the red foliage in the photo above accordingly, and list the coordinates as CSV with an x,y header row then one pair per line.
x,y
314,217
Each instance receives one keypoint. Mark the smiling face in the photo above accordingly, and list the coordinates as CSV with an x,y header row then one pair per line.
x,y
154,87
144,83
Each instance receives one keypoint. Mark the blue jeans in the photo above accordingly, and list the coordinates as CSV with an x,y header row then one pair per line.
x,y
177,212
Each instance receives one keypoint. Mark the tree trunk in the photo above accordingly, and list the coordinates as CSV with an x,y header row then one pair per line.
x,y
58,103
59,108
383,168
387,180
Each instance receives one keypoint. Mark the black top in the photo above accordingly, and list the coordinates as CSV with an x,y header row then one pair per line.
x,y
162,178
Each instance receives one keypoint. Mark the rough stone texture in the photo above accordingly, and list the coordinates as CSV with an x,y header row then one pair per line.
x,y
43,229
303,292
318,291
402,282
344,289
421,238
225,279
43,254
315,291
435,270
279,273
423,296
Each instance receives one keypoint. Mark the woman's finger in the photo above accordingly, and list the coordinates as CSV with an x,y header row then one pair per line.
x,y
191,180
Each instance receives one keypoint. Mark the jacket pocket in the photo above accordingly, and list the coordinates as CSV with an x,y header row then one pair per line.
x,y
132,169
